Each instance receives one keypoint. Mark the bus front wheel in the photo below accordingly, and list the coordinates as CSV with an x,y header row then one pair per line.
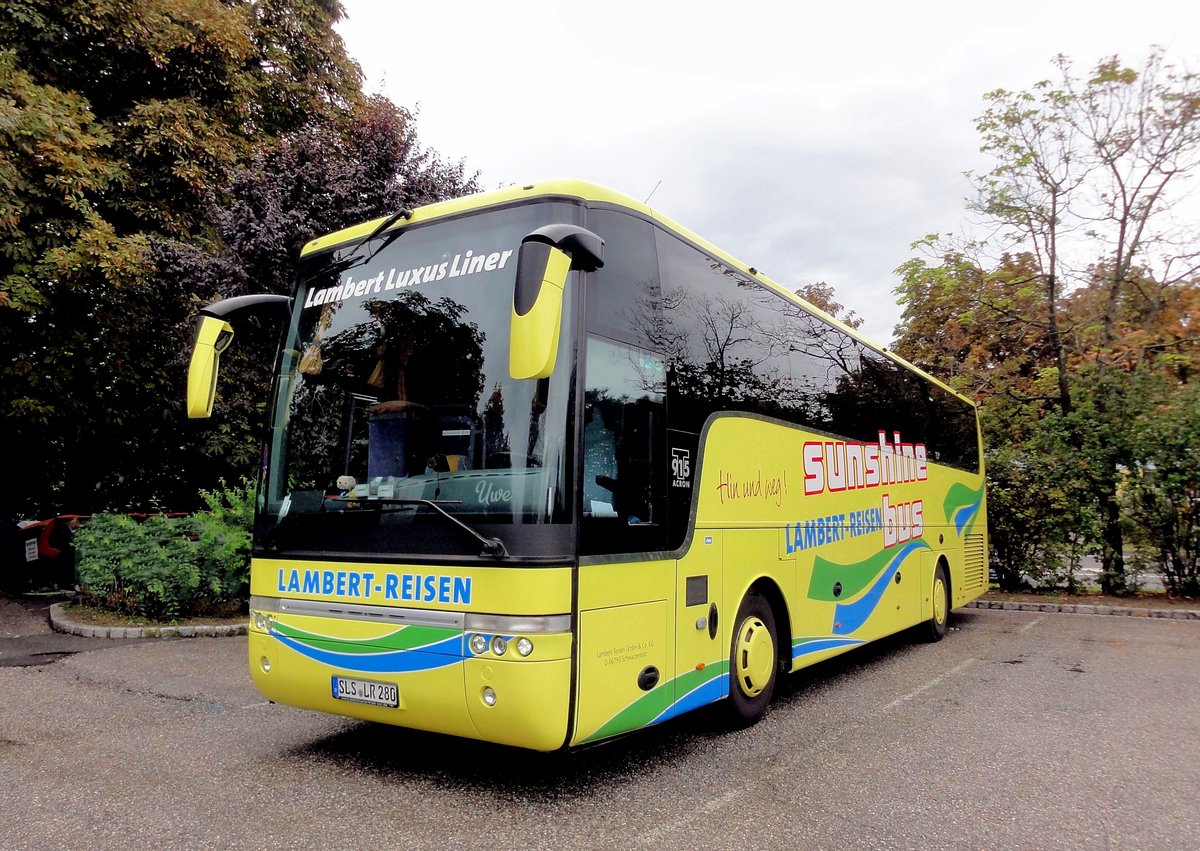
x,y
935,627
753,661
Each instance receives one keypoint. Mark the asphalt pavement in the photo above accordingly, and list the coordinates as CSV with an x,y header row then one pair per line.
x,y
26,637
1020,730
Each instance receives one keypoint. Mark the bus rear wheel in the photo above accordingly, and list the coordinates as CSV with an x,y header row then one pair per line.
x,y
753,661
935,627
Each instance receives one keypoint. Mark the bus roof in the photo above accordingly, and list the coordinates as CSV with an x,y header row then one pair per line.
x,y
581,190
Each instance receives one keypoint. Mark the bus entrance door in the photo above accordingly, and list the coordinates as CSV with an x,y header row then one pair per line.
x,y
701,657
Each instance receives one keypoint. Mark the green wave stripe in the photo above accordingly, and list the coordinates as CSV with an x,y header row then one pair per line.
x,y
958,496
854,577
404,638
652,704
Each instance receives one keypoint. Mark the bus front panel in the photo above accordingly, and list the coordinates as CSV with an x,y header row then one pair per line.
x,y
468,652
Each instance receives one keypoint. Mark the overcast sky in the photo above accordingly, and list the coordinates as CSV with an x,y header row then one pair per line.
x,y
813,141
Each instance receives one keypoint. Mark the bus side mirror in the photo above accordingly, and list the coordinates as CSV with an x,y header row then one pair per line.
x,y
547,256
213,336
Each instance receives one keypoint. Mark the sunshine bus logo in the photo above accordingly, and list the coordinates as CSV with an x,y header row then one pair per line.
x,y
837,465
834,466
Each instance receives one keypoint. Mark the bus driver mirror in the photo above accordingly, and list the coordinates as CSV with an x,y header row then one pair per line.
x,y
213,336
547,256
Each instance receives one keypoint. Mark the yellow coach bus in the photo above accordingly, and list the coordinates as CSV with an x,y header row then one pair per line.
x,y
545,468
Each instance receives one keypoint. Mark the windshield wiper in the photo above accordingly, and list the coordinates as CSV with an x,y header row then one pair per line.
x,y
492,547
351,261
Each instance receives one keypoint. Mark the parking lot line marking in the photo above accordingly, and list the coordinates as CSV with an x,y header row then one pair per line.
x,y
927,685
1032,624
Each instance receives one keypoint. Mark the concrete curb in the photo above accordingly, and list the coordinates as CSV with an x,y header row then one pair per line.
x,y
61,623
1087,609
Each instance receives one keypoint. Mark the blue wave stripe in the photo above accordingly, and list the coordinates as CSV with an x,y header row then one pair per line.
x,y
963,515
815,645
849,617
437,655
702,695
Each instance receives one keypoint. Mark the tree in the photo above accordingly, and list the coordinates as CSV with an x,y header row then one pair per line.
x,y
1162,491
970,326
822,296
317,180
1040,516
1086,174
118,120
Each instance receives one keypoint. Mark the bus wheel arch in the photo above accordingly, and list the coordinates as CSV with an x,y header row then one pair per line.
x,y
940,600
760,632
783,621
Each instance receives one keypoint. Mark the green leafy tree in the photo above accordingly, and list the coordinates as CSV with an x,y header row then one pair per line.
x,y
1162,493
1040,520
1090,275
1084,180
316,180
119,120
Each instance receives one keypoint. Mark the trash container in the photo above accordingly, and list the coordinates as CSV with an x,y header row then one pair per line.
x,y
36,555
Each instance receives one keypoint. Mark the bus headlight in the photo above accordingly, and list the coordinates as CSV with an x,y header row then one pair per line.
x,y
479,644
524,646
499,645
260,621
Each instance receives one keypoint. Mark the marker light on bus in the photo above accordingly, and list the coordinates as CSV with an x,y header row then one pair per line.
x,y
262,612
518,624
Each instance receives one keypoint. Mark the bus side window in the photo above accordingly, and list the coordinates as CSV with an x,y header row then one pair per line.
x,y
623,295
624,455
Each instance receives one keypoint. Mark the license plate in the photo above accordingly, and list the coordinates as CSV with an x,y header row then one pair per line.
x,y
366,691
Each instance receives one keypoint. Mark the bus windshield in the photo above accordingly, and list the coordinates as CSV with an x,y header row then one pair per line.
x,y
397,429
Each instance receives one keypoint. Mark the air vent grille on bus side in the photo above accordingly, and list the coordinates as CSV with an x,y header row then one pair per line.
x,y
974,568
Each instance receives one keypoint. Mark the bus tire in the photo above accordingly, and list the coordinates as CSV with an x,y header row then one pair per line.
x,y
753,661
935,627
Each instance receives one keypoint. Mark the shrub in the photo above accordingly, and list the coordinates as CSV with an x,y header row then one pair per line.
x,y
168,568
1162,491
146,569
223,536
